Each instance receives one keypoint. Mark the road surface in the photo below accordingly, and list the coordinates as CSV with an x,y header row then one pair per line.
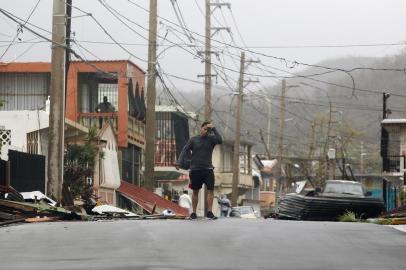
x,y
202,244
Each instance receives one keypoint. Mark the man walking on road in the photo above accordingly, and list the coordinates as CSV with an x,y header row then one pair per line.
x,y
201,167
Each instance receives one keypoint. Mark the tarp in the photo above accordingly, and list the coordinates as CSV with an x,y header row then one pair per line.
x,y
147,199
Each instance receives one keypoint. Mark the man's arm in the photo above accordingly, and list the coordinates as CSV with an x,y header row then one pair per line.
x,y
215,136
186,148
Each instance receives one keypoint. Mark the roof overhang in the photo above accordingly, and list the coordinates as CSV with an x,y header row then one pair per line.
x,y
394,121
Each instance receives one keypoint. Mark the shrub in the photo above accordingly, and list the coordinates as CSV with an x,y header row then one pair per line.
x,y
348,216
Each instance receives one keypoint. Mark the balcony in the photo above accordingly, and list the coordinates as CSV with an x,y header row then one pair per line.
x,y
94,119
136,129
225,179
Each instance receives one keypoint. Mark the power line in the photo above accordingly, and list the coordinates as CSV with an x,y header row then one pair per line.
x,y
10,16
20,28
286,61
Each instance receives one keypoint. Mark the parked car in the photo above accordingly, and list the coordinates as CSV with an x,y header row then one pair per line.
x,y
337,197
243,212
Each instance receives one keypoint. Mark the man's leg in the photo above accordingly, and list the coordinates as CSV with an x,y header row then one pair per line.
x,y
210,198
195,199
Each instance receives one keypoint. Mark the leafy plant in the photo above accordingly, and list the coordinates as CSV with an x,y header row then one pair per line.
x,y
79,164
348,216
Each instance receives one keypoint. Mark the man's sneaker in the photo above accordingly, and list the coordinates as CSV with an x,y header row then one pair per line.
x,y
210,215
193,216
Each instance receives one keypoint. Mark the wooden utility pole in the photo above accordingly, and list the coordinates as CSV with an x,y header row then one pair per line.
x,y
57,102
268,142
268,153
151,96
207,65
236,156
281,130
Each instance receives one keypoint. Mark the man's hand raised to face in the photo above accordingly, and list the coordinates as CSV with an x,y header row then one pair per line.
x,y
210,125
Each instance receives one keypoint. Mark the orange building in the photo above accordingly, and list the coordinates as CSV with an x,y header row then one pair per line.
x,y
120,81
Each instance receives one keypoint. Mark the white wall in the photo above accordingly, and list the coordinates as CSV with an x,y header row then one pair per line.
x,y
22,122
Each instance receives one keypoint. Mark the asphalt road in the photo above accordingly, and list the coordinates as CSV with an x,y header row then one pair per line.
x,y
202,244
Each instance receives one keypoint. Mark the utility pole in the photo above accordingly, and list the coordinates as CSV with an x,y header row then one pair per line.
x,y
236,153
362,154
268,153
68,40
207,71
207,65
236,156
57,102
280,145
268,142
207,56
151,96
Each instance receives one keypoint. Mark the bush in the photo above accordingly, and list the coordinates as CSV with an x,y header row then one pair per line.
x,y
348,216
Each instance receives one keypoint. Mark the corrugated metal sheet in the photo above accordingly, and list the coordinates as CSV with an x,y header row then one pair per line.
x,y
147,199
24,91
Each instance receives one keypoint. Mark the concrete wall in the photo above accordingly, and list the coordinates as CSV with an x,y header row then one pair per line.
x,y
22,122
375,186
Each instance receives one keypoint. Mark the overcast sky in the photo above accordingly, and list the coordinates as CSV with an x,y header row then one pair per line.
x,y
265,26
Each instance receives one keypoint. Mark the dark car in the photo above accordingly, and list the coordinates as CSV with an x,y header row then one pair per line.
x,y
337,197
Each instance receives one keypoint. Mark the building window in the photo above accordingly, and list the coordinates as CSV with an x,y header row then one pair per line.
x,y
24,91
131,164
92,87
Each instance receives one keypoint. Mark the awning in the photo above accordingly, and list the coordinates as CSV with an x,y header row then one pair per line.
x,y
147,199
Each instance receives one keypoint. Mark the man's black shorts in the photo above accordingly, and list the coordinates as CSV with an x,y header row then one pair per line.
x,y
200,177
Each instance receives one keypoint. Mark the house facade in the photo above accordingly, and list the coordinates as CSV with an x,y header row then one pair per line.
x,y
25,86
393,153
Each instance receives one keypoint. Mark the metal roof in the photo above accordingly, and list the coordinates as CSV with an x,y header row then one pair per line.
x,y
175,109
394,121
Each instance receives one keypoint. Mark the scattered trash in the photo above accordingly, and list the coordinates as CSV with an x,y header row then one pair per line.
x,y
113,211
396,216
35,196
168,213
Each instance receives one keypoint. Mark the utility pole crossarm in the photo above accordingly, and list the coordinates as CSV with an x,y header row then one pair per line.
x,y
217,29
247,82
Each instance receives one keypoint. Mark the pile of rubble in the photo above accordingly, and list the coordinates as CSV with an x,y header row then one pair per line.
x,y
396,216
30,207
34,206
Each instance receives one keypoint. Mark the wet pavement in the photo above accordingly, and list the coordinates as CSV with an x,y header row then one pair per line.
x,y
202,244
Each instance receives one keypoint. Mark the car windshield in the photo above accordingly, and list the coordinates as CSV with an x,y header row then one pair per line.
x,y
345,188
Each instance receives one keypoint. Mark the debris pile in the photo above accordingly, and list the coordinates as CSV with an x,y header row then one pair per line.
x,y
32,207
396,216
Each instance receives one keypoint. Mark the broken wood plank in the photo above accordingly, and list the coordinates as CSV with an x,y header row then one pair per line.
x,y
8,216
41,219
7,222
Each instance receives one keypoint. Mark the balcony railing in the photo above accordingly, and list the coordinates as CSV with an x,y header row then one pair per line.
x,y
135,127
97,120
